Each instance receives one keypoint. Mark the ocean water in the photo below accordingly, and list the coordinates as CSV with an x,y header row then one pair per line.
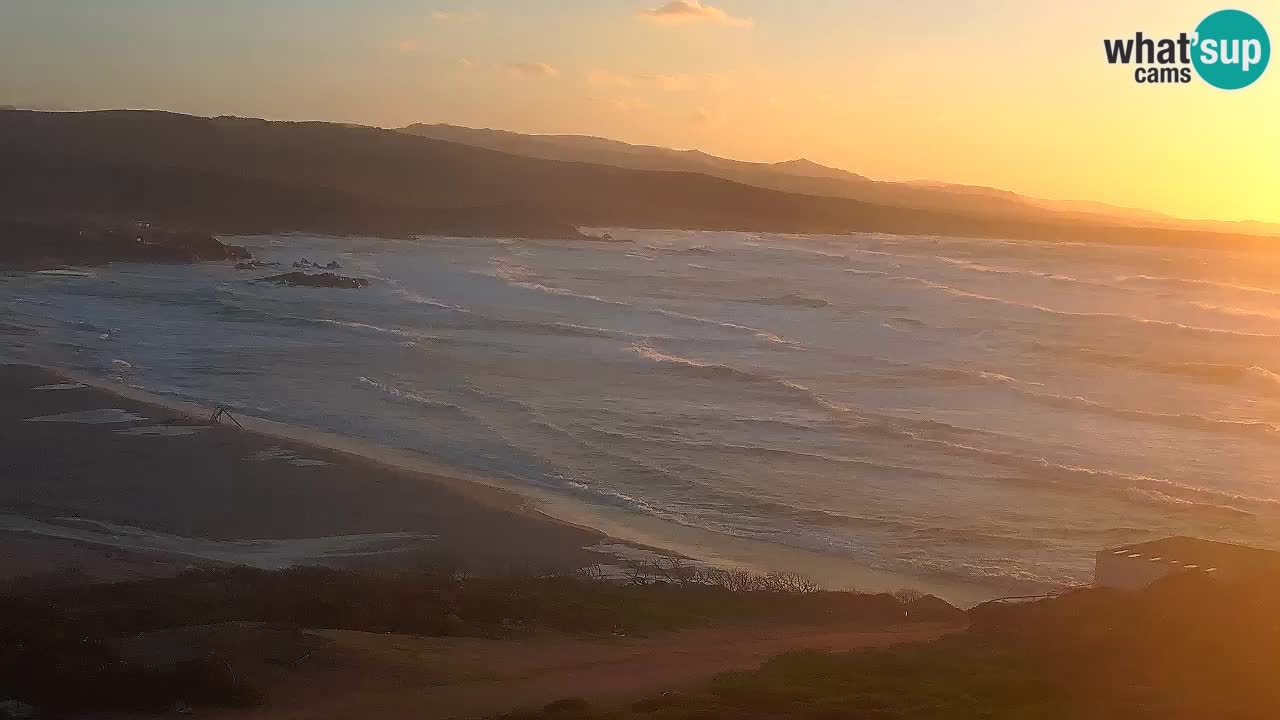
x,y
979,411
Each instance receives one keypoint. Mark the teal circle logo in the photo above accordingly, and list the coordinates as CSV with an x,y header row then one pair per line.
x,y
1232,49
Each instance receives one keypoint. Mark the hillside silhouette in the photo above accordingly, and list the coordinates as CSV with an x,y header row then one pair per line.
x,y
237,175
810,178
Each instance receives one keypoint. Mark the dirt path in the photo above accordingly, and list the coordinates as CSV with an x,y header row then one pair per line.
x,y
366,676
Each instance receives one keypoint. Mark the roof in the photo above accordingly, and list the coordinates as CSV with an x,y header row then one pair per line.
x,y
1197,554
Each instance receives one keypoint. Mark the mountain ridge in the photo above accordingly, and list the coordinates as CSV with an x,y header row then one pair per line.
x,y
243,175
805,176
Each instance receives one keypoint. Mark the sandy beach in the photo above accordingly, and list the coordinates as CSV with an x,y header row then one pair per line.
x,y
106,481
103,485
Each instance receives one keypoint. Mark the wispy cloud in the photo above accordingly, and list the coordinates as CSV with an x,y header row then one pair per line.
x,y
532,70
608,79
455,16
405,46
689,12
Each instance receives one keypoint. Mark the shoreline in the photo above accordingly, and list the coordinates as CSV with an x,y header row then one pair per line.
x,y
619,534
89,464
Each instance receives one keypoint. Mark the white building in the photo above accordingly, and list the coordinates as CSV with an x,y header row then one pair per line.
x,y
1133,567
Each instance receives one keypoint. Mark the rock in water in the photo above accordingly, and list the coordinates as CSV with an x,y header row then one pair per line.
x,y
318,280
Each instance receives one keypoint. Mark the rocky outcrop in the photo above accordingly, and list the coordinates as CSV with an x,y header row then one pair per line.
x,y
28,245
305,263
603,238
318,280
255,264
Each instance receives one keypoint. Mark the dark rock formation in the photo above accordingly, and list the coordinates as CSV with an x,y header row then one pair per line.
x,y
254,265
305,263
41,245
603,238
319,280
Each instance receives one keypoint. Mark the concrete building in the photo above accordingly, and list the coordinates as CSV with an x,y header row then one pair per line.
x,y
1133,567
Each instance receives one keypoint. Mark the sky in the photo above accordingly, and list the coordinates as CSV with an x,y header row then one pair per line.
x,y
1013,94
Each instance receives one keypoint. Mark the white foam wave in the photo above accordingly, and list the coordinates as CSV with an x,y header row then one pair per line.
x,y
1196,282
265,554
762,334
966,375
417,299
517,276
1236,312
399,332
1115,481
406,394
1002,270
794,250
1253,428
961,293
1217,373
729,372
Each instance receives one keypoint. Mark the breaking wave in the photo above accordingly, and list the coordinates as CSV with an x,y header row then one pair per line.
x,y
961,293
1195,282
715,370
1215,373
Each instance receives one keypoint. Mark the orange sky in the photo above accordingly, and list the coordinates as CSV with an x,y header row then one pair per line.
x,y
1014,94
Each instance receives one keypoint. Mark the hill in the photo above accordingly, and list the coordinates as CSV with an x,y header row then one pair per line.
x,y
807,177
237,175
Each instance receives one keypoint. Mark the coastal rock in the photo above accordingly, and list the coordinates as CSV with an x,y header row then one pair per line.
x,y
43,245
318,280
603,238
255,264
16,710
305,263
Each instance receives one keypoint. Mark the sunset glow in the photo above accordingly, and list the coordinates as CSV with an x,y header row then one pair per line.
x,y
1013,95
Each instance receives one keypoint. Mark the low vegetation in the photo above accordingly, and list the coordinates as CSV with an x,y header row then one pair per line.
x,y
1188,648
60,649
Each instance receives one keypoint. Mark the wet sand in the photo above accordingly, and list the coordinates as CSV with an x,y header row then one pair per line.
x,y
107,484
102,480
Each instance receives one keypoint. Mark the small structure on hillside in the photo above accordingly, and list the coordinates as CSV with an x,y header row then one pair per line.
x,y
1133,567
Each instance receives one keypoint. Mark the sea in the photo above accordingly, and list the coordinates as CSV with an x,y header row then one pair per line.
x,y
982,412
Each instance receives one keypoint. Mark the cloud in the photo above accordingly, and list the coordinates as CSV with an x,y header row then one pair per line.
x,y
689,12
610,80
532,70
445,16
405,46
